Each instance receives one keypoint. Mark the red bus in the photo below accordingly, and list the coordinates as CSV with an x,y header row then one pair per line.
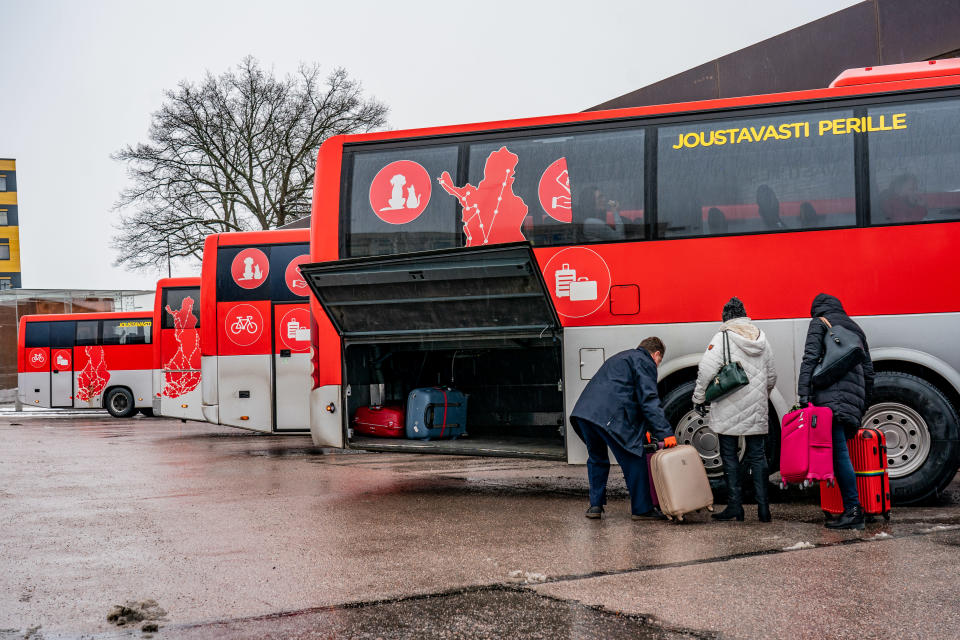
x,y
636,222
176,349
87,360
255,331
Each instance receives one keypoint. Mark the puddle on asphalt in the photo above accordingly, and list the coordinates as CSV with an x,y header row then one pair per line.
x,y
484,613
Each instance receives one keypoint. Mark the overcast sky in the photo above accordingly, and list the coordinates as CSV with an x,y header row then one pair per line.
x,y
80,79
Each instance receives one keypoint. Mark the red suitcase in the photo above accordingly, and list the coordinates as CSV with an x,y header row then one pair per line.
x,y
868,452
386,422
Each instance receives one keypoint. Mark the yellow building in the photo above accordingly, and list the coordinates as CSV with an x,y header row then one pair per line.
x,y
9,226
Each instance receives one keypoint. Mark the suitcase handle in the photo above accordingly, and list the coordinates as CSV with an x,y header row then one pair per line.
x,y
428,418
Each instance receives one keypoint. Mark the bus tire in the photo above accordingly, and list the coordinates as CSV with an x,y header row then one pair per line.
x,y
119,402
922,432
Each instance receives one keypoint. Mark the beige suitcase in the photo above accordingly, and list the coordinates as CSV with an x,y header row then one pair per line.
x,y
681,481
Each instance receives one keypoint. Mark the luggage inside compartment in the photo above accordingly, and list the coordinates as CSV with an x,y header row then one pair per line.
x,y
513,387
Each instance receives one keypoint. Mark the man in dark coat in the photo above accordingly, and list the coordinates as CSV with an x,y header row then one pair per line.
x,y
847,398
617,408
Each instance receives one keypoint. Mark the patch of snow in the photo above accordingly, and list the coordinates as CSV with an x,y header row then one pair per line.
x,y
800,545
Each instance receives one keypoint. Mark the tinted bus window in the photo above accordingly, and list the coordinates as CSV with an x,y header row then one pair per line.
x,y
755,174
174,298
37,334
243,273
127,331
286,283
88,332
62,333
914,150
396,205
565,189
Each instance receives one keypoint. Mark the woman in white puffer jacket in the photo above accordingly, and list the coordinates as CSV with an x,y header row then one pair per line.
x,y
742,412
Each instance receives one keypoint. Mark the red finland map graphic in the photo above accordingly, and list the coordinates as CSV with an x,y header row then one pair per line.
x,y
177,380
93,378
491,211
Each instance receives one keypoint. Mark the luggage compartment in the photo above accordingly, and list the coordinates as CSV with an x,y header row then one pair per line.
x,y
478,320
515,398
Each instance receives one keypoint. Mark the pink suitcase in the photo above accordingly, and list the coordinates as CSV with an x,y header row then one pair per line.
x,y
806,446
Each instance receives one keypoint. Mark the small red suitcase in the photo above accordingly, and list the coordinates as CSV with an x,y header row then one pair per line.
x,y
386,422
868,452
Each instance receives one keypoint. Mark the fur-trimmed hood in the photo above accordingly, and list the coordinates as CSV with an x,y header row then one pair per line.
x,y
746,334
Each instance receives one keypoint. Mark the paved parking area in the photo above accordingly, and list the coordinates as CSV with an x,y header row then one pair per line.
x,y
241,535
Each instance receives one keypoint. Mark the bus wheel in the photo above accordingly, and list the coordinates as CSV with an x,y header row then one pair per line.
x,y
693,429
922,433
120,403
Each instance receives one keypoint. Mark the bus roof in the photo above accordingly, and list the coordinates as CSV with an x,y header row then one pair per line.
x,y
267,236
853,82
103,315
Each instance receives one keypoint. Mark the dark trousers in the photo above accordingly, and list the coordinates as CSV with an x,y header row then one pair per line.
x,y
755,459
843,468
634,467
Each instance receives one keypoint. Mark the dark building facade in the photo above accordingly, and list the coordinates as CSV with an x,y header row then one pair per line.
x,y
871,33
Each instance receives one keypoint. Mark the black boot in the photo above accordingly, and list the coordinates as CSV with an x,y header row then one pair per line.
x,y
731,512
849,519
731,473
763,512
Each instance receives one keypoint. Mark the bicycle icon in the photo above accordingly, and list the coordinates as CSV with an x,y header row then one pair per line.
x,y
38,358
244,323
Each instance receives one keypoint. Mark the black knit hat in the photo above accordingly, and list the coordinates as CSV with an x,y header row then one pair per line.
x,y
733,309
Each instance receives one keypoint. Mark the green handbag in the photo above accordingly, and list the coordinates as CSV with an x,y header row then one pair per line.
x,y
730,377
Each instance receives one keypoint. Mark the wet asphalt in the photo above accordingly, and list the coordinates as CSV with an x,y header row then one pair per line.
x,y
241,535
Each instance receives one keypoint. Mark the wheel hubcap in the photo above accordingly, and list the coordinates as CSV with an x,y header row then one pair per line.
x,y
119,403
693,429
907,435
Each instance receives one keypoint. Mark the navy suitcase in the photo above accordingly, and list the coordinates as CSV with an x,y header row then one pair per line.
x,y
436,412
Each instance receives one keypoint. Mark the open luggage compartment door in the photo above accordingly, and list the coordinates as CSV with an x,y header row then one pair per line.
x,y
464,292
479,320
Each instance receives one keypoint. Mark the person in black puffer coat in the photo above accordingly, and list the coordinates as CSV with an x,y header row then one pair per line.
x,y
847,398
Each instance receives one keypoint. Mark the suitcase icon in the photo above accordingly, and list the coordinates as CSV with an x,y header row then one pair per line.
x,y
583,289
564,277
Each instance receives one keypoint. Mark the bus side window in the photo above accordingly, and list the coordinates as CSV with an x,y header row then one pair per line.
x,y
63,333
88,333
37,334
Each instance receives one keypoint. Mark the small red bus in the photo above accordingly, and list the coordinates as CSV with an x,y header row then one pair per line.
x,y
89,360
634,222
255,331
176,349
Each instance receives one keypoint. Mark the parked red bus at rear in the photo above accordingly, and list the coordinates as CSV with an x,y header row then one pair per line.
x,y
176,349
255,330
87,361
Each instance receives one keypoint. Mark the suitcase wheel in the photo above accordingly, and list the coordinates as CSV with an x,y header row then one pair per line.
x,y
886,516
679,518
710,508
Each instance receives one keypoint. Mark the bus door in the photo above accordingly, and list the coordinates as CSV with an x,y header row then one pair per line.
x,y
476,319
291,366
292,379
61,363
179,344
35,381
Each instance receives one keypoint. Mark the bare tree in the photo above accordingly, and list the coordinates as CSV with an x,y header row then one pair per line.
x,y
234,153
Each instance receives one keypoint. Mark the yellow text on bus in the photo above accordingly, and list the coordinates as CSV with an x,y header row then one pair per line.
x,y
787,131
145,323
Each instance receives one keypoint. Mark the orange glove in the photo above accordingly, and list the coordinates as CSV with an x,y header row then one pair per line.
x,y
669,441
